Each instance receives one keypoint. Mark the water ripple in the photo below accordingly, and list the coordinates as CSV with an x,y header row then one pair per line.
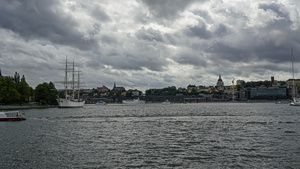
x,y
154,136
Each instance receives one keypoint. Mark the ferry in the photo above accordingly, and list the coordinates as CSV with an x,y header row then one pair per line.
x,y
12,116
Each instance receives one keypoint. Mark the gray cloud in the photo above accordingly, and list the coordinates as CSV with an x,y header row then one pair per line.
x,y
149,34
167,9
199,31
191,58
150,43
99,13
42,19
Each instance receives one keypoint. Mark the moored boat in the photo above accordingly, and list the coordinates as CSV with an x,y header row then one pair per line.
x,y
101,103
12,116
295,102
166,102
134,101
73,100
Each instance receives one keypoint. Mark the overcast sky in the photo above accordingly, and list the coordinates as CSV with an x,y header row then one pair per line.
x,y
142,44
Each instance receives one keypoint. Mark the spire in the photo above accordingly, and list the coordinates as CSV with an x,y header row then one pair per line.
x,y
220,79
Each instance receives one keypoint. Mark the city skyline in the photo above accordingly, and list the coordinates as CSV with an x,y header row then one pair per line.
x,y
149,43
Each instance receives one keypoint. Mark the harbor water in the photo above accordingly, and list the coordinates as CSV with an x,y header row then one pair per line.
x,y
204,135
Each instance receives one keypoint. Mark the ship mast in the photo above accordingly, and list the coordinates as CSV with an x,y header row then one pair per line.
x,y
73,81
66,79
78,85
294,91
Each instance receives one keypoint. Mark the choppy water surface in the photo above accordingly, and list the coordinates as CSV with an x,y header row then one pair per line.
x,y
214,135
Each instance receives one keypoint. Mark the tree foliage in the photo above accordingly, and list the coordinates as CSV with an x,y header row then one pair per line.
x,y
16,90
46,93
24,90
8,92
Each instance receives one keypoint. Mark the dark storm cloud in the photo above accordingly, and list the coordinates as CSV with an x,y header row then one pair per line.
x,y
236,54
150,41
131,62
190,57
149,34
199,31
100,14
282,18
222,30
130,56
166,9
134,61
267,39
275,8
42,19
171,39
203,14
108,39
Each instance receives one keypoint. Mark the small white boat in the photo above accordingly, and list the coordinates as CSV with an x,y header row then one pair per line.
x,y
166,102
12,116
134,101
295,102
101,103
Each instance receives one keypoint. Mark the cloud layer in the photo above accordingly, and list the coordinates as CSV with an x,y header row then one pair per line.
x,y
150,43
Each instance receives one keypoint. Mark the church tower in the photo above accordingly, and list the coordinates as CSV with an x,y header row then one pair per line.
x,y
220,84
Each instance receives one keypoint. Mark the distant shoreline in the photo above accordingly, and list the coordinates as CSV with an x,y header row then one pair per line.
x,y
8,107
24,107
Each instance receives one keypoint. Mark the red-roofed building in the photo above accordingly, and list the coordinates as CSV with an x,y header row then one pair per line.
x,y
102,89
118,89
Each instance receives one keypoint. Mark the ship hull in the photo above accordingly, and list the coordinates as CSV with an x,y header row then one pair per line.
x,y
64,103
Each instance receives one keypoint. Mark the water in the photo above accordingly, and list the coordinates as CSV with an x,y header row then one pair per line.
x,y
206,135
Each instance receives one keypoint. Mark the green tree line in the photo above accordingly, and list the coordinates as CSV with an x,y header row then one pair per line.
x,y
15,90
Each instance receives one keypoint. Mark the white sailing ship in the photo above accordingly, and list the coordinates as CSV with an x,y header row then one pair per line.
x,y
72,94
296,100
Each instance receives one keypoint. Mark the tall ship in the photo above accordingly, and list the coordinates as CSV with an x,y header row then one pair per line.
x,y
296,100
71,89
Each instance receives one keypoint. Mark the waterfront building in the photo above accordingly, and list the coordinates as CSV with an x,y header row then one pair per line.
x,y
102,89
268,93
118,89
190,88
289,83
205,90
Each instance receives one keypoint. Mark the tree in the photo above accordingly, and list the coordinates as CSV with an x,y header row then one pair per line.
x,y
24,89
52,94
8,92
194,91
16,78
46,93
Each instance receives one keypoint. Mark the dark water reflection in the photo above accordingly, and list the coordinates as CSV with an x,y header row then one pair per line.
x,y
155,136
